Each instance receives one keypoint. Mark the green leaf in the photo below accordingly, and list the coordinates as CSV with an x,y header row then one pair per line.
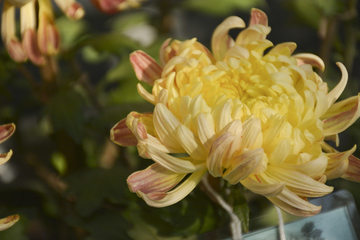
x,y
92,187
106,224
65,111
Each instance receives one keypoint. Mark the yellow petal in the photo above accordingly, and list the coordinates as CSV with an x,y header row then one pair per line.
x,y
252,134
293,204
338,163
145,94
4,157
288,47
190,142
7,222
205,131
313,168
341,115
336,92
221,41
265,189
176,194
218,153
165,124
308,58
145,67
299,183
171,163
243,165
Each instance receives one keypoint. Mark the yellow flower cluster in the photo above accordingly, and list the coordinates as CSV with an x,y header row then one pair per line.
x,y
241,114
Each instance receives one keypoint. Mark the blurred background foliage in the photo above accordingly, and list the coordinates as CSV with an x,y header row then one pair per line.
x,y
67,180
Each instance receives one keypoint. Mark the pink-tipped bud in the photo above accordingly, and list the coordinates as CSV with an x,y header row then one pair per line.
x,y
108,6
145,67
15,50
75,11
30,46
48,36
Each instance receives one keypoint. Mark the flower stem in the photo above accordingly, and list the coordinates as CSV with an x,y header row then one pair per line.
x,y
281,224
235,221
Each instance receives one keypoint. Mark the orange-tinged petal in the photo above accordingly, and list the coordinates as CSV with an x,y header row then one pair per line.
x,y
176,194
122,135
4,157
162,57
293,204
299,183
334,94
221,41
308,58
206,132
243,165
353,171
218,153
9,221
341,115
171,163
338,163
258,17
6,131
145,67
154,179
265,189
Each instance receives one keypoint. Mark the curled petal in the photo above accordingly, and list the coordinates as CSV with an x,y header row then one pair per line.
x,y
253,33
258,17
6,131
292,203
221,41
243,165
299,183
176,194
190,142
162,56
30,46
218,153
308,58
165,123
145,94
314,168
122,135
171,163
265,189
338,163
286,48
145,67
341,115
4,157
353,171
7,222
336,92
154,179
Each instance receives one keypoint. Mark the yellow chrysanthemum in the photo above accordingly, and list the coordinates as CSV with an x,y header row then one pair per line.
x,y
237,113
5,132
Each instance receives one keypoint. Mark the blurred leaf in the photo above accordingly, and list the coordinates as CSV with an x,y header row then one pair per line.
x,y
226,7
93,56
193,215
103,225
123,21
70,31
65,111
59,162
93,186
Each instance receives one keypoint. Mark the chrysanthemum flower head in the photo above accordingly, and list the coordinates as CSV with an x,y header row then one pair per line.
x,y
241,114
5,132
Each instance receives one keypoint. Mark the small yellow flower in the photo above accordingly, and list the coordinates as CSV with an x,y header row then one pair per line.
x,y
39,35
113,6
241,114
5,132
